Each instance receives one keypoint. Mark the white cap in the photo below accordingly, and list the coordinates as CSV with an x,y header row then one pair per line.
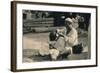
x,y
69,20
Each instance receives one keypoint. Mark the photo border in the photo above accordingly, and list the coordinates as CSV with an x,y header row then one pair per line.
x,y
14,35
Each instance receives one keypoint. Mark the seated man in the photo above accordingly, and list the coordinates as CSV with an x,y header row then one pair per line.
x,y
65,42
71,38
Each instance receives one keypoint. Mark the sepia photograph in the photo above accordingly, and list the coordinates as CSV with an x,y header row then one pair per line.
x,y
55,36
47,36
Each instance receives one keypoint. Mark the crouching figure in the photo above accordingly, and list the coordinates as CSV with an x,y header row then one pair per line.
x,y
64,42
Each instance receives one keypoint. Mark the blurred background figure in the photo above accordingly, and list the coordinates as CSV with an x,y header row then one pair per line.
x,y
75,19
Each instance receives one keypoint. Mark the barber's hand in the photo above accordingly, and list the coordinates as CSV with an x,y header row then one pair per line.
x,y
61,34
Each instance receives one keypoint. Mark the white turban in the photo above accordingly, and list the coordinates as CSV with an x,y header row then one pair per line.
x,y
69,20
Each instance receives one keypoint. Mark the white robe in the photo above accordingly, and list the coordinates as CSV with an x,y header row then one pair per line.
x,y
72,38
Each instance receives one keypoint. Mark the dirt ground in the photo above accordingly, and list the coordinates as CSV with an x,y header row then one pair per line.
x,y
36,43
